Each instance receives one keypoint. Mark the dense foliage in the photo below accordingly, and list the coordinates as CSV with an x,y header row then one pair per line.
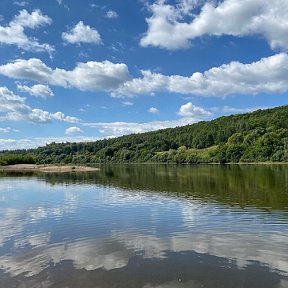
x,y
11,159
252,137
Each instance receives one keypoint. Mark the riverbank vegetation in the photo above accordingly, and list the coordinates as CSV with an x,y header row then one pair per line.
x,y
259,136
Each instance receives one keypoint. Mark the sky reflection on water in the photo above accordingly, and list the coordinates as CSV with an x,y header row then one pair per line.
x,y
104,235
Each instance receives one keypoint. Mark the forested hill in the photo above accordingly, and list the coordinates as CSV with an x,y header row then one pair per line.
x,y
252,137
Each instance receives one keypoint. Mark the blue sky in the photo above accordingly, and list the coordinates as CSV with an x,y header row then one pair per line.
x,y
82,71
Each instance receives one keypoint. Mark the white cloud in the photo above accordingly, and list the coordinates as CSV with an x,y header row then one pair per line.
x,y
73,130
10,103
268,75
124,128
229,109
90,76
34,20
60,3
111,14
93,5
8,130
60,116
153,110
127,103
21,3
173,27
5,130
190,110
39,116
82,34
38,90
13,33
32,69
13,144
96,76
149,83
27,143
14,108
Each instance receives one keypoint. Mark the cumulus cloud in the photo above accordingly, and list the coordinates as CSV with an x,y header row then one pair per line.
x,y
14,108
60,116
268,75
14,34
190,110
174,26
11,103
148,84
153,110
38,90
89,76
73,130
41,116
111,14
82,34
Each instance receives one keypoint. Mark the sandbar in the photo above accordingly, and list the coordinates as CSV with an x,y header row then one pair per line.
x,y
47,168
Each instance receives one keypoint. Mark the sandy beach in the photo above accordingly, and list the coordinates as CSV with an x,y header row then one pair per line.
x,y
47,168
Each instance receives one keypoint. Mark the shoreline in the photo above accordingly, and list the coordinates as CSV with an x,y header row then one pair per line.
x,y
193,164
54,168
46,168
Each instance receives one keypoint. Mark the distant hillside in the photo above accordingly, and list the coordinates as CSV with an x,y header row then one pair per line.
x,y
259,136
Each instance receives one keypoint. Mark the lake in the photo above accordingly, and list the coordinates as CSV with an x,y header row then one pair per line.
x,y
146,226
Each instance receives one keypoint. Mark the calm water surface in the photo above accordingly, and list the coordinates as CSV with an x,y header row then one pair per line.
x,y
146,226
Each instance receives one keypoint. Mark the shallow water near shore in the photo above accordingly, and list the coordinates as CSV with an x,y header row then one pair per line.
x,y
146,226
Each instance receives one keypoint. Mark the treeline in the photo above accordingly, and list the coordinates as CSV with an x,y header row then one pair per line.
x,y
252,137
11,159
